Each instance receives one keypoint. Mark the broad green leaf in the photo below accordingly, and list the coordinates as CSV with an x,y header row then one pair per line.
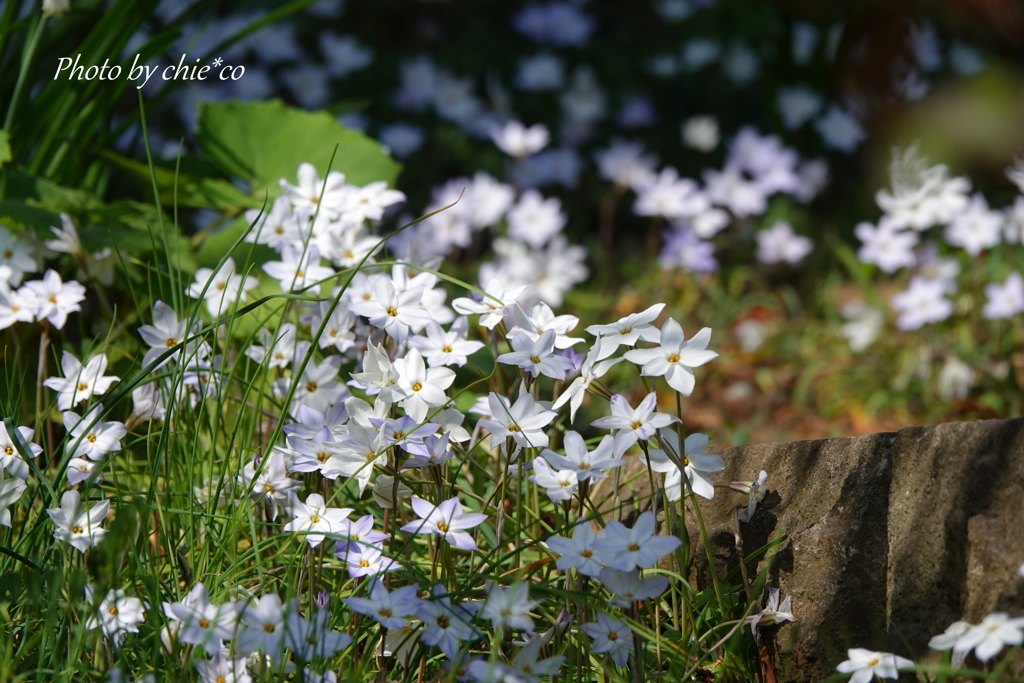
x,y
191,191
263,142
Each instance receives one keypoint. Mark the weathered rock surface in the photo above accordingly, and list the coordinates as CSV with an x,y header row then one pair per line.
x,y
890,537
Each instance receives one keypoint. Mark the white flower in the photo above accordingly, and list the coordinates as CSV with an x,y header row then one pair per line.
x,y
10,491
864,324
118,614
317,387
201,622
75,525
380,375
223,668
368,203
537,357
637,548
610,637
393,311
629,587
270,481
949,638
384,491
592,369
990,636
700,133
675,357
578,551
447,520
56,8
10,458
1005,300
695,460
424,388
535,220
261,626
865,665
840,130
220,289
588,465
886,246
669,196
311,638
90,437
977,228
559,485
277,353
924,301
798,105
52,299
298,270
922,194
1016,173
446,624
773,613
780,244
166,332
518,141
16,256
509,607
314,519
756,491
13,306
633,425
542,319
446,348
524,421
628,330
388,608
80,383
307,194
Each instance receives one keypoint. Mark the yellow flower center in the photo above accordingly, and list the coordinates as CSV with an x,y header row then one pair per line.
x,y
311,386
113,610
384,613
172,342
446,348
83,387
513,428
443,622
314,519
322,457
76,529
204,623
8,254
612,636
392,312
91,438
53,299
8,450
269,628
873,662
221,285
443,528
634,547
417,386
674,358
364,563
534,359
587,553
637,424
